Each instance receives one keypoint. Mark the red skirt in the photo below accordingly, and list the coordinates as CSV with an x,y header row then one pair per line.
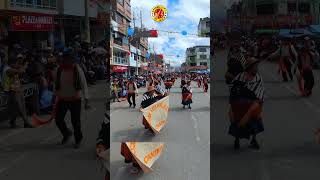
x,y
128,156
145,123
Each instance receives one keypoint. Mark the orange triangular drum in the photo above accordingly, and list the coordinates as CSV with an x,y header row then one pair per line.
x,y
145,153
156,114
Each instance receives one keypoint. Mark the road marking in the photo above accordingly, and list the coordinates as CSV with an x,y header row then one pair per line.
x,y
2,139
13,163
195,121
264,172
305,101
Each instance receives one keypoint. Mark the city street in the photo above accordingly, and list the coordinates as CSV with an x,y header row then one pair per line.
x,y
186,137
288,147
35,153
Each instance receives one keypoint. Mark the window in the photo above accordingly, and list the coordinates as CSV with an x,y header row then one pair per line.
x,y
192,50
128,7
304,8
203,56
202,50
121,2
265,9
118,19
193,64
292,8
192,58
40,4
203,63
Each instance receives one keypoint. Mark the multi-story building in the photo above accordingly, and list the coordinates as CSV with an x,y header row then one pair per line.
x,y
277,14
204,27
28,22
198,58
233,17
40,23
120,22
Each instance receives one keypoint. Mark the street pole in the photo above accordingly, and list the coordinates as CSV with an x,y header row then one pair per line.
x,y
87,21
137,43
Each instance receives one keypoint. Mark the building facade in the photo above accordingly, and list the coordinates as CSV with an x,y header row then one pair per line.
x,y
204,27
42,23
198,58
233,18
275,14
120,22
30,23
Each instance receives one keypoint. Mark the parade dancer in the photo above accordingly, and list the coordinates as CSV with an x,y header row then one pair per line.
x,y
70,82
305,77
199,79
205,84
132,92
148,98
128,158
187,95
246,100
288,55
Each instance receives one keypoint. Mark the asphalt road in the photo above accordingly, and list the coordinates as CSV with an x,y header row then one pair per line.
x,y
186,136
288,148
35,153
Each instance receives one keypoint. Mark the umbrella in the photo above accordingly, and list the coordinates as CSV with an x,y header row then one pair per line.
x,y
145,153
99,50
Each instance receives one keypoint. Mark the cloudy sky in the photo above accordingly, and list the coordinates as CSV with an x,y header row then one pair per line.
x,y
183,15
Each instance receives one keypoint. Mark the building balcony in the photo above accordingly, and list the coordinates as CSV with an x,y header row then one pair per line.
x,y
120,61
39,6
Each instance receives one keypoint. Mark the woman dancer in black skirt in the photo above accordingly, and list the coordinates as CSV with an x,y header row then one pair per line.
x,y
246,100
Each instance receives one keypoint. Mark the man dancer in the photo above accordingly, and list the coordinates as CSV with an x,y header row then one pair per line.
x,y
70,81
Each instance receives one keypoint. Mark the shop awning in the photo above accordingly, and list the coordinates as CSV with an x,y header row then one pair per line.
x,y
119,69
267,31
291,33
315,28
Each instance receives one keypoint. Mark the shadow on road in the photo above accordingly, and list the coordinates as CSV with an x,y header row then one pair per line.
x,y
120,171
132,135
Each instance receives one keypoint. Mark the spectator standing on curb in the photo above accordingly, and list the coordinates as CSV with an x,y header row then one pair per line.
x,y
12,87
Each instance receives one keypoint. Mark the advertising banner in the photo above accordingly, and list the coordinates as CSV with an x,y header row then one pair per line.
x,y
34,22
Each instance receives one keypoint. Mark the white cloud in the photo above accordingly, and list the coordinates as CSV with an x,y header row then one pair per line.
x,y
185,15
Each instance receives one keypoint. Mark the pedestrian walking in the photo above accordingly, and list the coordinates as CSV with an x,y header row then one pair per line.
x,y
132,92
70,82
187,95
246,100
